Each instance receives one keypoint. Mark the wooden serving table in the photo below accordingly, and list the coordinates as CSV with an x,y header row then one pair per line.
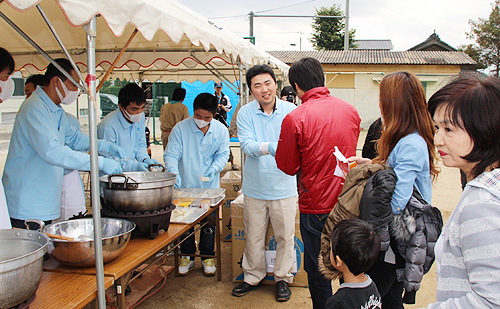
x,y
138,251
58,290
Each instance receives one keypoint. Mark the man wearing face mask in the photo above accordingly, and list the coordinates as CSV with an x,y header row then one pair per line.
x,y
42,145
125,127
197,151
6,70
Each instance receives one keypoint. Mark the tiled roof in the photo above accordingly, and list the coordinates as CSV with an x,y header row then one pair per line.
x,y
433,42
377,57
374,44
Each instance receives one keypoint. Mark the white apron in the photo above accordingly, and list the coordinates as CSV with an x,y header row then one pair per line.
x,y
73,196
4,212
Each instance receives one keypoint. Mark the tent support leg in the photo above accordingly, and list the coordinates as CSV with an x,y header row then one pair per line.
x,y
216,72
58,39
40,50
94,168
117,59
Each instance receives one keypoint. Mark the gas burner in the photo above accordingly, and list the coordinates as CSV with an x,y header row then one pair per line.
x,y
148,224
26,304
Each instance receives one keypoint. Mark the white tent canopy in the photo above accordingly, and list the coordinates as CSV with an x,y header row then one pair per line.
x,y
98,29
173,43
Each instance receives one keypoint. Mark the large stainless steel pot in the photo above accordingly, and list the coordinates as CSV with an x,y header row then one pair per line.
x,y
21,258
137,191
80,252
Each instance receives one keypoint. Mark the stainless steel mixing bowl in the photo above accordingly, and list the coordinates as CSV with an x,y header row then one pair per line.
x,y
80,252
21,259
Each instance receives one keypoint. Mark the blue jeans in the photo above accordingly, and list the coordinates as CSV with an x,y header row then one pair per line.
x,y
311,227
207,239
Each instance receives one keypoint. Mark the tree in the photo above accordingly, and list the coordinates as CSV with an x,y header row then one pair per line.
x,y
113,88
329,33
475,53
486,33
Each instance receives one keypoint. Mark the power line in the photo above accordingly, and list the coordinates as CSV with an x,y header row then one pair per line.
x,y
286,6
244,15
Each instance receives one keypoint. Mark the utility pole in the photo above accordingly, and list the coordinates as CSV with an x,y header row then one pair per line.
x,y
252,38
346,36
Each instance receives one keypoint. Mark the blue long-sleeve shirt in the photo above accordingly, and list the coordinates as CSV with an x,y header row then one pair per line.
x,y
261,178
190,153
131,137
42,145
410,161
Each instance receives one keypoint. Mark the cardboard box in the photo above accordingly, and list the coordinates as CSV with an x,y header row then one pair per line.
x,y
239,241
231,181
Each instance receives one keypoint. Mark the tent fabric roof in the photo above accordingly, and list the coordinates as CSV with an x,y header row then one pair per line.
x,y
164,26
377,57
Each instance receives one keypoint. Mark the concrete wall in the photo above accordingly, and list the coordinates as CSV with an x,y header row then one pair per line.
x,y
359,84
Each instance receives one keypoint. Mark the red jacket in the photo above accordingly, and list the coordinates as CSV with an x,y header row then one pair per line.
x,y
307,140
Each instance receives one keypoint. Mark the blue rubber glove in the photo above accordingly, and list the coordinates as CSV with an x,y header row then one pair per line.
x,y
178,182
272,148
116,151
134,166
210,173
140,167
151,161
110,167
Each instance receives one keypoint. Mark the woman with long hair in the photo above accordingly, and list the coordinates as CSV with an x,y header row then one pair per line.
x,y
406,145
466,115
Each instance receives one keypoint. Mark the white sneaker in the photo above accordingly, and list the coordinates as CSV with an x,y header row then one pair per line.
x,y
186,265
208,267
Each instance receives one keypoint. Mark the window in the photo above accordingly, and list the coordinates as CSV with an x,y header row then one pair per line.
x,y
18,87
84,111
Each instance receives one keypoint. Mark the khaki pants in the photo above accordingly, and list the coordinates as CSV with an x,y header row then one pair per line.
x,y
256,215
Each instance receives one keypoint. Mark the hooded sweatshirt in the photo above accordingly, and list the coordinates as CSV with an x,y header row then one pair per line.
x,y
468,250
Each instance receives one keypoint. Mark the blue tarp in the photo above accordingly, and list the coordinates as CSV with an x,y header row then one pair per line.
x,y
197,87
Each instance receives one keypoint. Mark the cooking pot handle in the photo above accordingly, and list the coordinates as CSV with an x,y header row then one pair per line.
x,y
40,223
151,167
121,186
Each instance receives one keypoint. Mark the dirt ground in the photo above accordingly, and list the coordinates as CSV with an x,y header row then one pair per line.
x,y
198,291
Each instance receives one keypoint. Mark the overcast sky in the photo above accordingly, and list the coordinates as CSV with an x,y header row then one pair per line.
x,y
405,22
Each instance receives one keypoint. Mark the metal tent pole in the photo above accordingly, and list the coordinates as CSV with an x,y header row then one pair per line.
x,y
94,167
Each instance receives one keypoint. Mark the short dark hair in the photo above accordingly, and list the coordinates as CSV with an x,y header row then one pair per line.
x,y
6,60
36,80
131,93
179,94
472,104
52,71
356,243
257,70
307,73
206,101
288,90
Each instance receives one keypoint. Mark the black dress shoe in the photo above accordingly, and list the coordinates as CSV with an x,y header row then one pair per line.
x,y
243,289
283,293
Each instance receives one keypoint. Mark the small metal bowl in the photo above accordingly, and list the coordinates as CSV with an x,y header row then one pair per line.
x,y
80,252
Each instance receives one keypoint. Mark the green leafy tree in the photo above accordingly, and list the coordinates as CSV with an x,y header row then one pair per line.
x,y
486,33
475,53
113,88
329,33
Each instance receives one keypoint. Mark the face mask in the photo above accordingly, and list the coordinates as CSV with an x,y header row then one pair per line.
x,y
7,89
134,118
69,97
201,123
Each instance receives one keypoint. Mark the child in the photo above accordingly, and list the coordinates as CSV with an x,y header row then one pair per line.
x,y
355,247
